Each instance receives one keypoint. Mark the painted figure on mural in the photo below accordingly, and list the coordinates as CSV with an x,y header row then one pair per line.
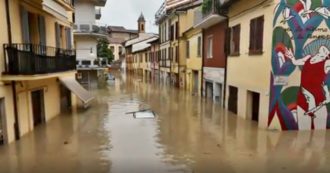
x,y
314,94
303,9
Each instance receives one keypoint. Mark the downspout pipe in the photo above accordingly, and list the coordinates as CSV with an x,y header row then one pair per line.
x,y
202,75
178,54
227,52
13,83
227,38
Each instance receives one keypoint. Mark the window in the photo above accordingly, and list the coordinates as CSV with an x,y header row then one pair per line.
x,y
165,33
210,47
170,51
165,54
172,33
176,30
256,35
187,49
112,48
120,50
235,33
177,54
86,62
199,46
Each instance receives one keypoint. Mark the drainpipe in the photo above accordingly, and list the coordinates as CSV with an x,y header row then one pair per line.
x,y
178,48
202,75
8,22
227,37
16,124
170,53
13,83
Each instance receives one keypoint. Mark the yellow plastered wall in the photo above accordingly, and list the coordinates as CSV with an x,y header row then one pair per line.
x,y
6,91
194,62
52,104
8,122
251,73
51,91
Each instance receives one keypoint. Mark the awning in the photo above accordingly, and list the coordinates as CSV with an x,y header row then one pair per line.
x,y
77,89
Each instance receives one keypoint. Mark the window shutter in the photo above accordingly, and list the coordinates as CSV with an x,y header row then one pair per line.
x,y
177,54
229,40
42,30
198,46
57,35
69,38
25,25
251,47
177,29
238,38
260,33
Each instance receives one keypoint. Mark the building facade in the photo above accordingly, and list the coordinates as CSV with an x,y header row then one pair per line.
x,y
117,36
214,28
38,65
137,47
246,97
289,98
91,68
192,48
171,19
155,60
164,45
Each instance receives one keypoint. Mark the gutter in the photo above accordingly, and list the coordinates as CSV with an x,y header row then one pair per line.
x,y
13,83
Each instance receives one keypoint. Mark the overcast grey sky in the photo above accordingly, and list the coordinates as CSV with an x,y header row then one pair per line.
x,y
126,12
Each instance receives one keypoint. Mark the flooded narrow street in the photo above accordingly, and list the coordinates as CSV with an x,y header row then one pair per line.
x,y
188,134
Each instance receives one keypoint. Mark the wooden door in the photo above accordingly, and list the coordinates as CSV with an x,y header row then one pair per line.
x,y
255,106
232,101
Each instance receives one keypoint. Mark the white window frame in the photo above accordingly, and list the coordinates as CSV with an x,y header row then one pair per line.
x,y
209,53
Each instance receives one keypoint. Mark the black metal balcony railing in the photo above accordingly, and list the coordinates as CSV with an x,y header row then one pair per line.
x,y
30,59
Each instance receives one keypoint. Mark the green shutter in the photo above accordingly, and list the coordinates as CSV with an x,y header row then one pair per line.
x,y
25,25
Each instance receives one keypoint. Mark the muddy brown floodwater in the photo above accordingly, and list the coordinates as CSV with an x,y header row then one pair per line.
x,y
189,135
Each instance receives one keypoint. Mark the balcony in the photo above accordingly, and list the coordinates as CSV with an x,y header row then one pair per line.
x,y
100,2
209,16
58,8
161,13
98,13
32,59
171,4
90,29
68,3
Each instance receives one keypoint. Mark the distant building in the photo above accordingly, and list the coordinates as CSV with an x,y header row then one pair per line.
x,y
134,62
172,20
214,56
117,36
86,33
192,47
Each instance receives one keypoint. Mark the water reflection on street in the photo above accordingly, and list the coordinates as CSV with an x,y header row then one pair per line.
x,y
188,134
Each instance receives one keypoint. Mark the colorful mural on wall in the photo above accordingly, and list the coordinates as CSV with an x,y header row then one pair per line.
x,y
300,79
